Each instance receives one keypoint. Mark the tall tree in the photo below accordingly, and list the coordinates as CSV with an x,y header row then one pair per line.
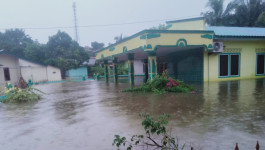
x,y
15,40
218,15
247,12
260,22
96,45
237,13
64,52
35,51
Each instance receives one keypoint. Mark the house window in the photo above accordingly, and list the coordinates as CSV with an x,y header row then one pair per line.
x,y
229,65
6,74
260,64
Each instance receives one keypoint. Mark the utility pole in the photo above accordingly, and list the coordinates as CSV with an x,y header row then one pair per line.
x,y
75,22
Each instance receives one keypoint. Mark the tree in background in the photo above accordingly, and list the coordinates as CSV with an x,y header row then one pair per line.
x,y
35,51
247,12
64,53
218,14
237,13
118,38
97,46
160,27
60,51
15,40
261,20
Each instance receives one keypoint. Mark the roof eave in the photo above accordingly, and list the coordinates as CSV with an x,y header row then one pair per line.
x,y
156,31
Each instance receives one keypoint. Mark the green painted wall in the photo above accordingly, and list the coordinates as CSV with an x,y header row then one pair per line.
x,y
187,65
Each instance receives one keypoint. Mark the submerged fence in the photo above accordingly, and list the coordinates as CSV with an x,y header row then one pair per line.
x,y
237,147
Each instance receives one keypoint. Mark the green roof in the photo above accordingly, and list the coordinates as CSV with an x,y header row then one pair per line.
x,y
251,32
186,20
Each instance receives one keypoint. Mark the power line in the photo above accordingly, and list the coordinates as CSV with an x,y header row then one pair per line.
x,y
91,26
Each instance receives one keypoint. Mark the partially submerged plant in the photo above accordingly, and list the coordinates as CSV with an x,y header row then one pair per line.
x,y
18,95
156,135
162,84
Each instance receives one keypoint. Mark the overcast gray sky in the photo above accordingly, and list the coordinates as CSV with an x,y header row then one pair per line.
x,y
59,13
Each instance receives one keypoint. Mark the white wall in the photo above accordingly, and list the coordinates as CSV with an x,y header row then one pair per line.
x,y
54,74
32,71
138,67
12,64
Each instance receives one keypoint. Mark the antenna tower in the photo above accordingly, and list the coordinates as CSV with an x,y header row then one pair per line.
x,y
75,22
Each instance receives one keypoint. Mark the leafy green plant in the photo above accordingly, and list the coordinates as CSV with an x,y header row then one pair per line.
x,y
156,135
122,70
162,84
17,95
98,70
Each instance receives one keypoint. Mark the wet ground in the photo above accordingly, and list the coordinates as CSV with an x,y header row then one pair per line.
x,y
87,115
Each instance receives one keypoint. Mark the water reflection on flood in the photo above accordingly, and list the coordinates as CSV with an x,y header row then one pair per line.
x,y
86,115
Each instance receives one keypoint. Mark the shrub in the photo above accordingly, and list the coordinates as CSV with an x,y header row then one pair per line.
x,y
17,95
156,135
162,84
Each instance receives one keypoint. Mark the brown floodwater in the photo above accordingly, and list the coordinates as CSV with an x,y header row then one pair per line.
x,y
86,116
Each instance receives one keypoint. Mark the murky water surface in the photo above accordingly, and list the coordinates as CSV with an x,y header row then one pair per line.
x,y
87,115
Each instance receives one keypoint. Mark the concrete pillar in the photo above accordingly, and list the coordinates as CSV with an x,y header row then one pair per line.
x,y
152,66
106,70
131,68
115,69
145,70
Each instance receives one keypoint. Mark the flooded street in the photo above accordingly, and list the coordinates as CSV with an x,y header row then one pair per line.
x,y
87,115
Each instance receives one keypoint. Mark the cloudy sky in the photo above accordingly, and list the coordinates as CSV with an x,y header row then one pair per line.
x,y
99,20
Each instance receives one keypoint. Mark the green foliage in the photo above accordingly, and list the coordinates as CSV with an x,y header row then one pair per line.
x,y
97,70
156,135
18,95
162,84
35,52
236,13
64,53
97,46
15,40
261,20
60,51
122,70
160,27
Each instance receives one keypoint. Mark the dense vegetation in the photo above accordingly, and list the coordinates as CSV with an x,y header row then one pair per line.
x,y
99,70
242,13
162,84
156,135
60,50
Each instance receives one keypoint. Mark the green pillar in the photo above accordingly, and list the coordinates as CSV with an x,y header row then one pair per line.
x,y
115,69
152,67
145,70
106,70
131,68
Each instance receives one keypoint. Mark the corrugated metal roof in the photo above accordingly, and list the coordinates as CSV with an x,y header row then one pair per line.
x,y
237,31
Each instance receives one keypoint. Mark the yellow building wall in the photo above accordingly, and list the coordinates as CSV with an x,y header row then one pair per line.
x,y
190,25
170,39
165,39
247,51
130,44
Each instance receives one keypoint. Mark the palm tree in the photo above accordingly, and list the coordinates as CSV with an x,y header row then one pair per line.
x,y
218,15
247,11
